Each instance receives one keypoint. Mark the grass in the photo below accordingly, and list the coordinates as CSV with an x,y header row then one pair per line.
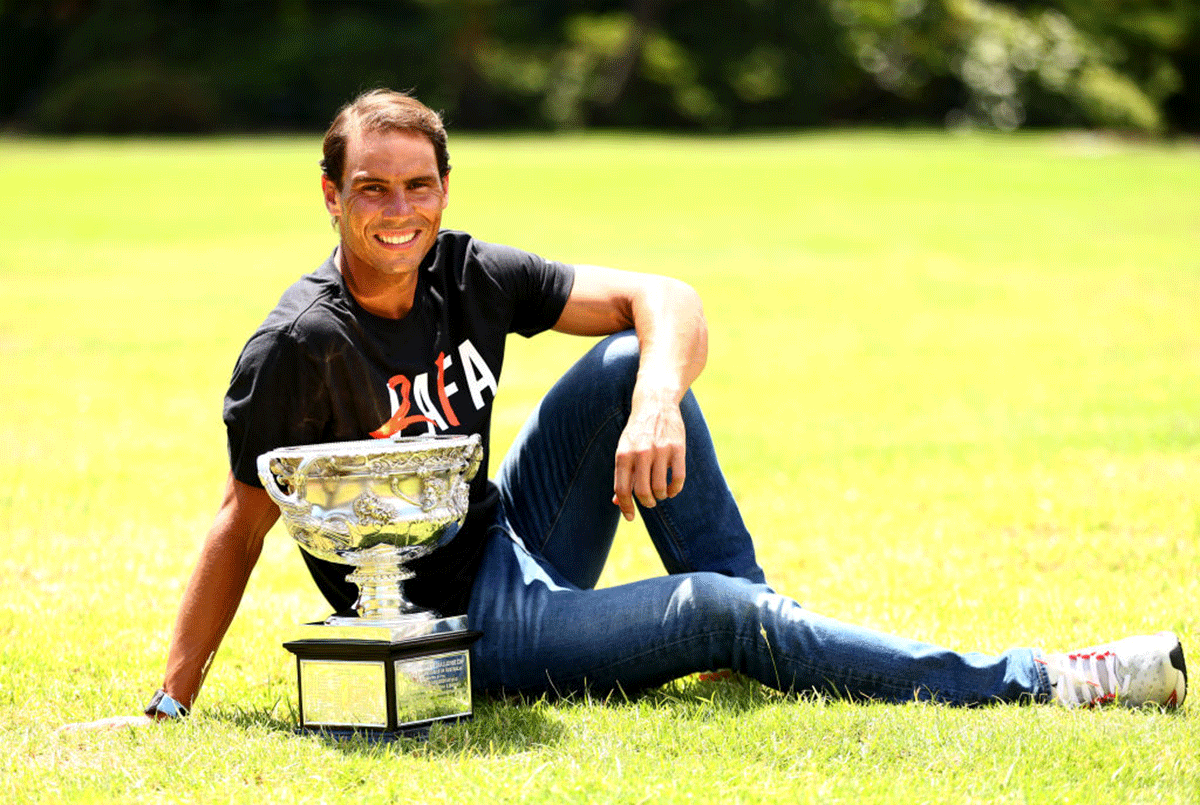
x,y
953,381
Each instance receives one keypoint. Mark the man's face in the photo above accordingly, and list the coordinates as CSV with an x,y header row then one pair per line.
x,y
390,202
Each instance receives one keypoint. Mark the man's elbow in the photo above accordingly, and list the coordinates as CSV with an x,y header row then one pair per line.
x,y
687,299
682,296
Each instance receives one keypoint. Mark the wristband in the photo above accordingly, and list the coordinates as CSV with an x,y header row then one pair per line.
x,y
162,706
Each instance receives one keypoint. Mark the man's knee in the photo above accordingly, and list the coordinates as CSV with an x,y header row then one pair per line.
x,y
619,355
714,601
611,364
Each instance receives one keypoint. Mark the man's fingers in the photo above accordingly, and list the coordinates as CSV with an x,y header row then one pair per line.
x,y
643,468
626,507
660,475
649,460
678,474
623,487
647,476
631,479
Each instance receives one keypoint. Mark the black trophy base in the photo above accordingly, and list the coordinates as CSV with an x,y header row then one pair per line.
x,y
383,689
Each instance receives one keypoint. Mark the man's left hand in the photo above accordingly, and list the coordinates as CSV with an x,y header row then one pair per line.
x,y
651,456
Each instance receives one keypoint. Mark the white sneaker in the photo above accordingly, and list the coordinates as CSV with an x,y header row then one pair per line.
x,y
1135,671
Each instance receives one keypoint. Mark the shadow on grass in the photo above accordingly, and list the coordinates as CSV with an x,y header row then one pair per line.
x,y
728,692
515,724
733,693
498,728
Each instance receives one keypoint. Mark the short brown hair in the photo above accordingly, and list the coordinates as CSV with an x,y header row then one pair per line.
x,y
382,110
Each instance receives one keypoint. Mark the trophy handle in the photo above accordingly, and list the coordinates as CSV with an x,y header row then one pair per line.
x,y
474,461
296,501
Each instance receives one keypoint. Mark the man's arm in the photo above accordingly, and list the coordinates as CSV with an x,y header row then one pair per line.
x,y
212,595
673,343
215,589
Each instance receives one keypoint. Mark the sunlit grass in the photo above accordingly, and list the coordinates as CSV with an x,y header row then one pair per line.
x,y
953,382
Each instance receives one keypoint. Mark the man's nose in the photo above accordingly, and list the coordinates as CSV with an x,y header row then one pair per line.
x,y
398,205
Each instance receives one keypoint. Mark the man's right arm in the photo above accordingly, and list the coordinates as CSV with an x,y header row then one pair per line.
x,y
212,595
215,589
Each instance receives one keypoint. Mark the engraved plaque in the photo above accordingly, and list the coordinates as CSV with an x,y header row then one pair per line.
x,y
430,688
349,694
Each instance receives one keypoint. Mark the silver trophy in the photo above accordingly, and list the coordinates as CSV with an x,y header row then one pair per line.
x,y
374,505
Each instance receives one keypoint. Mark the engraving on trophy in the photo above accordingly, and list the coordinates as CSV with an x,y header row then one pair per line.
x,y
435,687
374,504
370,508
343,693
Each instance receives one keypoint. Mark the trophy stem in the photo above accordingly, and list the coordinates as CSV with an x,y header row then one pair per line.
x,y
381,590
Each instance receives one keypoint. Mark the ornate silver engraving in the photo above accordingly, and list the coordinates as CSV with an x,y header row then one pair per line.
x,y
374,505
369,508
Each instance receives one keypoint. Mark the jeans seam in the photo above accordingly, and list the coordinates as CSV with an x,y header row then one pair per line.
x,y
570,485
671,533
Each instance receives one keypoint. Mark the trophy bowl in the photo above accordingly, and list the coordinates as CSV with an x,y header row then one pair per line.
x,y
374,505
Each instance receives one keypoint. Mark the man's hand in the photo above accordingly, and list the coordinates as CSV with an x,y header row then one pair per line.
x,y
673,343
651,456
110,723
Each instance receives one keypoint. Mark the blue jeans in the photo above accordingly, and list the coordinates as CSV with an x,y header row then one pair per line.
x,y
547,629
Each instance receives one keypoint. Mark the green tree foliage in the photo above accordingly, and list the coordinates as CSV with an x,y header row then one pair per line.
x,y
185,65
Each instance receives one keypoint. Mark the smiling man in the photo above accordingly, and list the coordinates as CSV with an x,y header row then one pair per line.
x,y
387,204
402,331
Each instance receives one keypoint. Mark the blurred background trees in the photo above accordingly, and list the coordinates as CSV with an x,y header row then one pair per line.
x,y
129,66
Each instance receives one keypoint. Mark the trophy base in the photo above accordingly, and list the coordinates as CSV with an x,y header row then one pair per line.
x,y
383,680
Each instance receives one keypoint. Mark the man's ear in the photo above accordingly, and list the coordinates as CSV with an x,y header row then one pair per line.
x,y
333,199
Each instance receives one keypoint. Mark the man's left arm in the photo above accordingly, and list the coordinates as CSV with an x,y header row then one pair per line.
x,y
673,343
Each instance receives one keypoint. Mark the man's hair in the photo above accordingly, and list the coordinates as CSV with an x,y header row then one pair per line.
x,y
382,110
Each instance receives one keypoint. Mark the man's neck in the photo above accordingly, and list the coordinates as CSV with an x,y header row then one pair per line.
x,y
384,296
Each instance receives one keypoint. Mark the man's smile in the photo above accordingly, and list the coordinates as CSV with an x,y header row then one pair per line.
x,y
398,240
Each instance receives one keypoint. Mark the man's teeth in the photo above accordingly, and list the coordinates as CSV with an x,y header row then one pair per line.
x,y
392,240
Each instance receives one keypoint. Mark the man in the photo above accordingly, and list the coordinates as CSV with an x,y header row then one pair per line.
x,y
402,330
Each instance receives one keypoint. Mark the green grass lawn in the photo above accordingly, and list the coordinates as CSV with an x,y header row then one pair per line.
x,y
954,382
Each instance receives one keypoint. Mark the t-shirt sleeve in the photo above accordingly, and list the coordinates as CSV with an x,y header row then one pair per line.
x,y
274,400
537,288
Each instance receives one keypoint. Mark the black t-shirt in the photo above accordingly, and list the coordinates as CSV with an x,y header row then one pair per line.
x,y
323,369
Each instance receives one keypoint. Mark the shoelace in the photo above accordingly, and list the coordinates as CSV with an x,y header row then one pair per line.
x,y
1079,678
